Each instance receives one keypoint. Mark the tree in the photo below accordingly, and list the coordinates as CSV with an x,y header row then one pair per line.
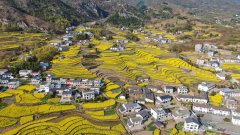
x,y
81,37
132,37
179,126
4,27
213,93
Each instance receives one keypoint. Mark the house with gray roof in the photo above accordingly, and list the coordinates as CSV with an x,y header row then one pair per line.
x,y
129,107
168,89
88,95
134,121
144,114
161,114
163,99
206,86
148,95
201,99
206,108
182,90
181,114
66,96
192,124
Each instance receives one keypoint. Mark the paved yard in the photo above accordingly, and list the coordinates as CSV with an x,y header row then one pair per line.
x,y
217,123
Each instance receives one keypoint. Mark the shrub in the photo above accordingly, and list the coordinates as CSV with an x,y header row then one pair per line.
x,y
227,120
132,37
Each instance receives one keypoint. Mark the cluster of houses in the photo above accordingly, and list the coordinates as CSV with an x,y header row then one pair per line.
x,y
7,79
119,46
137,112
147,94
67,40
206,48
68,89
159,39
215,61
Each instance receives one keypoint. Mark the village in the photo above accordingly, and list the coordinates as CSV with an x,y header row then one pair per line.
x,y
212,107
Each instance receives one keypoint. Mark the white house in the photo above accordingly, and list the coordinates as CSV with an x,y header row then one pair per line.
x,y
66,96
210,54
230,92
36,80
163,99
206,86
238,57
44,87
215,64
129,108
236,112
236,117
182,90
236,120
155,89
199,48
200,61
13,84
218,69
25,73
88,95
193,99
181,114
3,71
231,103
168,89
192,124
161,114
221,75
118,48
221,111
4,80
134,121
205,108
122,96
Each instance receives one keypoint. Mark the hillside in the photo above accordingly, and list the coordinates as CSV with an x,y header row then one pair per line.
x,y
55,15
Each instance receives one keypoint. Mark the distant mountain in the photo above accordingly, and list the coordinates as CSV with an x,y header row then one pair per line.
x,y
209,9
55,15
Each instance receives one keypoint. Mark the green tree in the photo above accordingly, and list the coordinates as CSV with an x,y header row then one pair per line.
x,y
132,37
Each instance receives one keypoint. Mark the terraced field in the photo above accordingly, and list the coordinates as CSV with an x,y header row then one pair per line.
x,y
22,119
75,125
144,61
68,65
12,40
234,68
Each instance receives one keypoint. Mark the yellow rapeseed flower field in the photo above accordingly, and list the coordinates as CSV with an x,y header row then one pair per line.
x,y
107,117
27,87
5,122
99,105
19,111
26,119
68,126
3,95
96,113
27,99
